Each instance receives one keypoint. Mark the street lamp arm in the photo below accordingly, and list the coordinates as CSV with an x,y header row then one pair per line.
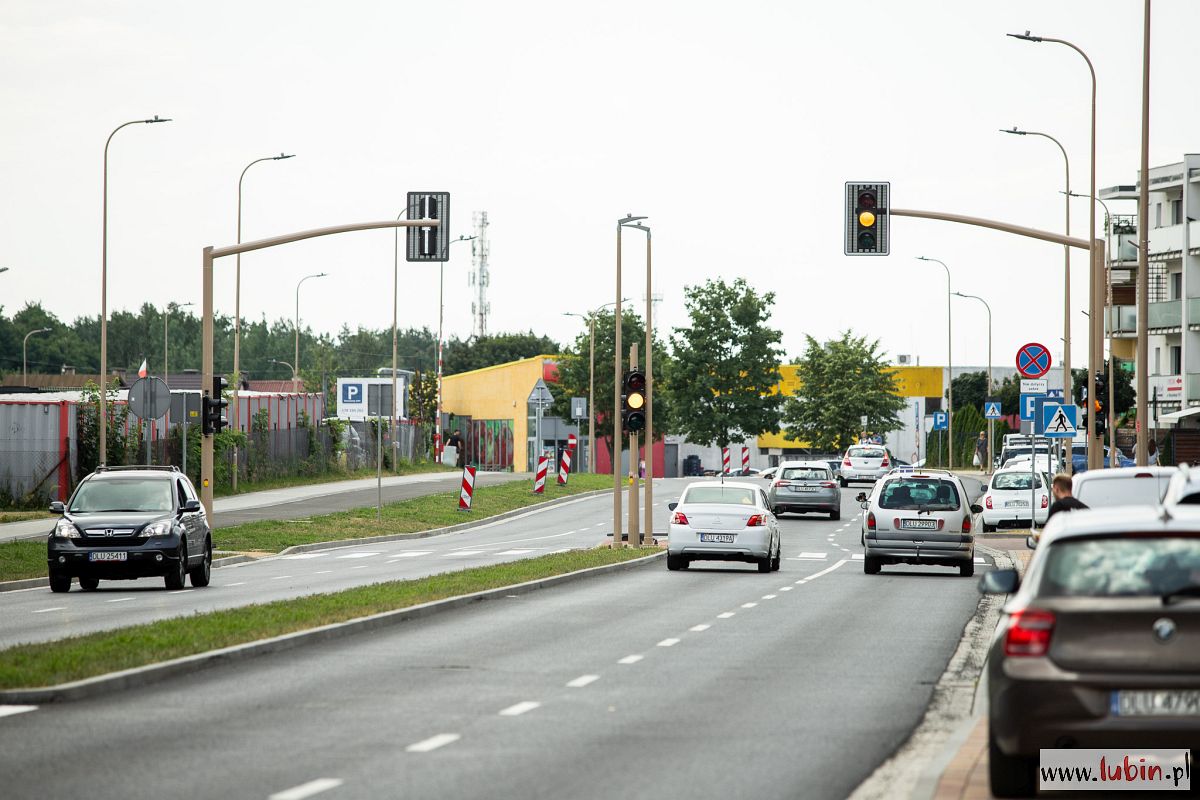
x,y
312,233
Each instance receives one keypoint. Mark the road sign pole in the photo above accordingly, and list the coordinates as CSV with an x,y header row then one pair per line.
x,y
634,536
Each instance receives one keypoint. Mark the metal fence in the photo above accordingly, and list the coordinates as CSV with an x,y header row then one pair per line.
x,y
29,472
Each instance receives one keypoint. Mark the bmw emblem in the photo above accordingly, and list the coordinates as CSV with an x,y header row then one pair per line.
x,y
1164,630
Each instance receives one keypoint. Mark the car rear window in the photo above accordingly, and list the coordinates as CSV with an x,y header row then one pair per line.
x,y
719,494
123,494
1103,493
919,494
1120,567
805,474
865,452
1014,480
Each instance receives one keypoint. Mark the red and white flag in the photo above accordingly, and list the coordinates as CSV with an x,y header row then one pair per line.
x,y
142,369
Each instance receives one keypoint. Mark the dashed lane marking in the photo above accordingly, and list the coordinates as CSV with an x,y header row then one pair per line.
x,y
518,709
699,628
410,554
808,557
302,556
119,600
433,743
47,610
323,572
306,790
726,615
8,711
462,553
513,552
240,583
360,566
749,605
769,596
582,681
280,577
668,642
857,557
181,591
785,588
360,555
631,659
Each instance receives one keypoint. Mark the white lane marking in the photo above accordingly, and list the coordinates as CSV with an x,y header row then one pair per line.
x,y
513,552
520,541
360,555
802,581
303,556
560,550
769,596
631,659
410,554
518,709
749,605
698,628
239,583
825,571
280,577
844,549
582,681
323,572
857,556
668,643
785,588
807,555
433,743
307,789
119,600
46,610
462,553
726,615
360,566
8,711
181,591
979,560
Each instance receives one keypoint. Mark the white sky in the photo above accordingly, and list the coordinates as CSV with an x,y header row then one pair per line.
x,y
732,125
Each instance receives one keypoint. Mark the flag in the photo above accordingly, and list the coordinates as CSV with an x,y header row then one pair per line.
x,y
142,369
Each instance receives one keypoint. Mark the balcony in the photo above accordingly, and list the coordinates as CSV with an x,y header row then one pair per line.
x,y
1162,316
1168,239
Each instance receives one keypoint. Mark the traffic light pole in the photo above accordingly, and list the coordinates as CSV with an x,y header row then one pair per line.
x,y
1095,321
634,537
210,254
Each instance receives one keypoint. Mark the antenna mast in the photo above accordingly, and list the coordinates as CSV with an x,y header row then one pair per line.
x,y
480,277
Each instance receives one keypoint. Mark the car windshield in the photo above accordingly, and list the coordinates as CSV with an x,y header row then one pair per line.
x,y
1117,567
865,452
919,494
1013,480
122,494
719,494
805,474
1101,493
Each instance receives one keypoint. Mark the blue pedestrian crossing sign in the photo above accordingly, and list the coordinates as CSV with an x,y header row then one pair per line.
x,y
941,420
1059,420
991,410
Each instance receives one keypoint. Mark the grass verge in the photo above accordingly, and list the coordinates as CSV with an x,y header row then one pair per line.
x,y
406,468
52,663
21,516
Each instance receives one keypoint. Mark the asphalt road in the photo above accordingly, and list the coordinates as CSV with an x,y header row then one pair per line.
x,y
715,682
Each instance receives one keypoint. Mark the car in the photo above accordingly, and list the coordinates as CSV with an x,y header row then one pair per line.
x,y
1007,495
802,486
723,521
1184,487
865,462
835,468
918,517
767,474
1122,486
1079,459
1017,445
1096,648
123,523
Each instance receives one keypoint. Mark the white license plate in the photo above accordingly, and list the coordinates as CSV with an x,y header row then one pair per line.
x,y
919,524
1156,703
805,489
1016,504
108,556
721,538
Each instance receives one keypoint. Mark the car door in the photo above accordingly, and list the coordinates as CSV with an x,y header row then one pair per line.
x,y
188,519
772,523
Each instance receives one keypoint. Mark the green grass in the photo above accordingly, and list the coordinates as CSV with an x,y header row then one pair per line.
x,y
24,558
50,663
406,468
21,516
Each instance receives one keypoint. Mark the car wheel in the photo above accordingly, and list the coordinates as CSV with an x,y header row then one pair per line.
x,y
871,566
989,528
88,583
764,563
835,515
175,579
1010,776
684,562
60,583
201,575
842,481
674,562
775,562
966,570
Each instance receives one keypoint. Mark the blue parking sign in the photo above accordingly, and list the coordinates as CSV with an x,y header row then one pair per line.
x,y
1028,402
941,421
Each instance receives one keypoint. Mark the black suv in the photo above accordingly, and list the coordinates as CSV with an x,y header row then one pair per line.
x,y
123,523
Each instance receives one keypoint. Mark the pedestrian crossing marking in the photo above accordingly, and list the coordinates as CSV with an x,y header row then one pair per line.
x,y
808,557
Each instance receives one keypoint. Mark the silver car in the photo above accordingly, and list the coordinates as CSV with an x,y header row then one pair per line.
x,y
723,521
1122,486
865,462
802,486
918,517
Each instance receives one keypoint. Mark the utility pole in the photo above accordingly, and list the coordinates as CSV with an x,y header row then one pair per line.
x,y
634,537
1143,279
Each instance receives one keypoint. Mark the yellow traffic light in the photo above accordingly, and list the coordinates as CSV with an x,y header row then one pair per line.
x,y
866,219
635,400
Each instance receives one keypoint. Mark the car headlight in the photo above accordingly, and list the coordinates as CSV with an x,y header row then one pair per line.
x,y
160,528
65,529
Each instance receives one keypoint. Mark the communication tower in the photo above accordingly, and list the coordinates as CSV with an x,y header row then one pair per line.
x,y
480,278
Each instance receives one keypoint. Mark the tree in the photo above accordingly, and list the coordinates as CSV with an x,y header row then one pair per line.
x,y
722,382
970,389
1124,395
487,351
841,382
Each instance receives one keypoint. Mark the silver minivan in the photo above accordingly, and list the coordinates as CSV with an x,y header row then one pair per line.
x,y
865,462
801,486
918,518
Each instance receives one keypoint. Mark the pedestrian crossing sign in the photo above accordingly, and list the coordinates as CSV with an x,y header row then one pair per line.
x,y
1059,420
991,409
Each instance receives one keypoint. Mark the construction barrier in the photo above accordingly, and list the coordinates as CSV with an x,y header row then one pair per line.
x,y
564,467
468,489
745,459
725,460
539,480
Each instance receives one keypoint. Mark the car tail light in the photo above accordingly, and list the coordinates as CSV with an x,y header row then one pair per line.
x,y
756,521
828,484
870,520
679,518
884,463
782,483
1045,501
846,462
1029,633
966,526
987,501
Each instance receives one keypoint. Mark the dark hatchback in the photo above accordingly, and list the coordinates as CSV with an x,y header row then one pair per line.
x,y
123,523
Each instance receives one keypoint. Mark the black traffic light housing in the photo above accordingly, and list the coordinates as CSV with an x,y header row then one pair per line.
x,y
1100,404
867,219
633,401
429,244
213,407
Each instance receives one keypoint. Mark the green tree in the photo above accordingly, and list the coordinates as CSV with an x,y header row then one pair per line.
x,y
970,389
841,382
725,371
461,355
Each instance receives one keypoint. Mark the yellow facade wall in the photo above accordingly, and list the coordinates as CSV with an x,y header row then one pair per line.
x,y
498,392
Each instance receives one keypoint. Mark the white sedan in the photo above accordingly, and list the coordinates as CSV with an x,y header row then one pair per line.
x,y
723,521
1006,498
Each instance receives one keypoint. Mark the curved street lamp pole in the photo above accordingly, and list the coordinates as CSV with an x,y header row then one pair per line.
x,y
166,340
296,366
991,385
24,357
590,318
949,368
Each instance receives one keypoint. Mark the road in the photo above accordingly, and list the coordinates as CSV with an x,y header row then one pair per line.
x,y
297,502
714,682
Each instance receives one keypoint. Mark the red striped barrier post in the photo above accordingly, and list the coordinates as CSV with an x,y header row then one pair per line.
x,y
725,460
745,459
539,481
564,467
468,489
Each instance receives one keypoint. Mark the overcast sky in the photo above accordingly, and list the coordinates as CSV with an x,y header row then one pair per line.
x,y
731,125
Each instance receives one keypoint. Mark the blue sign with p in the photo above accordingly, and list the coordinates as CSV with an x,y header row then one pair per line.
x,y
352,393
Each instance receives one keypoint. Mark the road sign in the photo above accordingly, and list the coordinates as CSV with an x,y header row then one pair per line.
x,y
1033,360
579,408
1054,394
991,409
540,396
149,398
429,244
1034,385
1059,420
941,421
1027,406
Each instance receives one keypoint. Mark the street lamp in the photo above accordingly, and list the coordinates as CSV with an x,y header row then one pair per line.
x,y
296,366
166,317
949,368
987,467
629,220
237,310
590,318
289,366
3,269
24,362
1068,389
1094,339
103,453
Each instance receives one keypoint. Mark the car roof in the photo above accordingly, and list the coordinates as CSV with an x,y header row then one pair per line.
x,y
1113,473
1120,519
731,484
135,473
814,463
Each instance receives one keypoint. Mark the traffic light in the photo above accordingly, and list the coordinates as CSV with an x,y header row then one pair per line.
x,y
867,219
213,407
429,244
1100,404
633,401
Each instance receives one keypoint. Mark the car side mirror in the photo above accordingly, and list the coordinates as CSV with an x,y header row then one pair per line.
x,y
672,506
983,488
1000,581
57,507
191,505
976,508
1031,542
861,497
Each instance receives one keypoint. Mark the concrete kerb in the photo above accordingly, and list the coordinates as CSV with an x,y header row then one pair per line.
x,y
34,583
143,676
914,769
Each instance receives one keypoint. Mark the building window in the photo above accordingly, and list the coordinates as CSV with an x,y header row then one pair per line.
x,y
1176,360
1177,212
1158,215
1158,361
1176,285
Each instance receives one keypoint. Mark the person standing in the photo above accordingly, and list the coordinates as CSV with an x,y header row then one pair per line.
x,y
981,451
460,454
1060,487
